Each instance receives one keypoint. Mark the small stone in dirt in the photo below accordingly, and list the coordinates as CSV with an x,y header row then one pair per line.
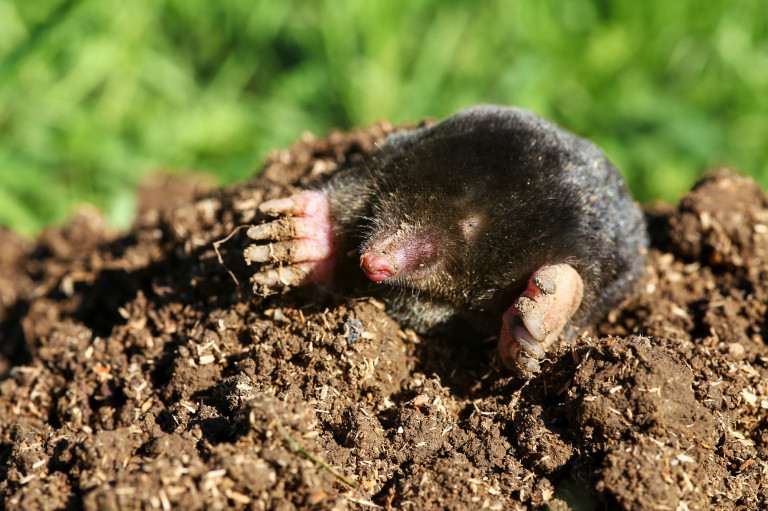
x,y
353,329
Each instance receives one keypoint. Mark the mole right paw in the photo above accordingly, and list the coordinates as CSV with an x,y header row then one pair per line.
x,y
536,320
297,247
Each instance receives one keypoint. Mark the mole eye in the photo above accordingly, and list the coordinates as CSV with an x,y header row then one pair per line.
x,y
469,225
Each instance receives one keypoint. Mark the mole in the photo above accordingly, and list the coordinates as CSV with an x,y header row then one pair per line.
x,y
493,221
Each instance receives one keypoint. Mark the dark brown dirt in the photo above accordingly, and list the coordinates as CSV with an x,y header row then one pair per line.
x,y
137,375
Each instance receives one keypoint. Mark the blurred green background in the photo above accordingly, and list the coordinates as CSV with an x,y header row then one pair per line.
x,y
95,93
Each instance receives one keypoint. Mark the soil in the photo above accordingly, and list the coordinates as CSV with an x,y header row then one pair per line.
x,y
136,374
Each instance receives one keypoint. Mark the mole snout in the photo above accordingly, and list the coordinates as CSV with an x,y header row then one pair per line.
x,y
377,267
400,254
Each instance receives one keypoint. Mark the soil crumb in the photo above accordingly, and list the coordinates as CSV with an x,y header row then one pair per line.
x,y
135,373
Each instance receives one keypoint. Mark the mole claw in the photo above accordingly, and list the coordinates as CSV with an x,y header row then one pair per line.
x,y
290,276
524,305
535,326
266,278
276,207
529,365
292,251
269,230
545,283
257,253
258,232
530,345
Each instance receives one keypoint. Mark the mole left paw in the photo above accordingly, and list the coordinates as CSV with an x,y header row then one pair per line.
x,y
536,320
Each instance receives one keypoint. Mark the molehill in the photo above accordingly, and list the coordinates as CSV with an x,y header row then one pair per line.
x,y
136,373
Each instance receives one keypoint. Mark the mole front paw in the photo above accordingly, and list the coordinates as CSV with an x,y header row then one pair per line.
x,y
297,247
536,320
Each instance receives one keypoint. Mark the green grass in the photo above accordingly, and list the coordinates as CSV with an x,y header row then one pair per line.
x,y
95,93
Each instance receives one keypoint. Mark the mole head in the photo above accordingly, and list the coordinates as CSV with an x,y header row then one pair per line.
x,y
424,229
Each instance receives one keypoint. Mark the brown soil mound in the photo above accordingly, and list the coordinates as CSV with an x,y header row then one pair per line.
x,y
136,374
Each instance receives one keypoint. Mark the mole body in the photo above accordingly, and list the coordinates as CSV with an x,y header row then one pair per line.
x,y
493,220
